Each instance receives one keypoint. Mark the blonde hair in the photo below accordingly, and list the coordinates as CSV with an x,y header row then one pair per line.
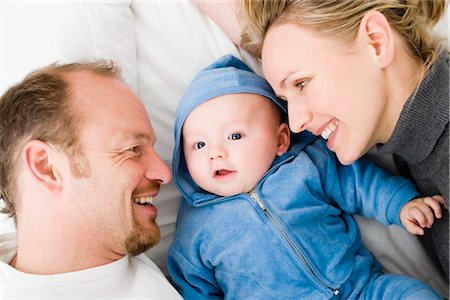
x,y
340,19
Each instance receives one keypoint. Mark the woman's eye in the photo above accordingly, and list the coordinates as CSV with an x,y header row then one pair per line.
x,y
199,145
235,136
301,84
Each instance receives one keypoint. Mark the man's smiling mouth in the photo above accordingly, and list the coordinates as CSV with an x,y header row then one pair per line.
x,y
148,200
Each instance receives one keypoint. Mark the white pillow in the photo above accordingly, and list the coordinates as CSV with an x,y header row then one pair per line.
x,y
37,33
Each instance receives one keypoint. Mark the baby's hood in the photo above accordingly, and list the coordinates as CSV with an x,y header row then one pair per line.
x,y
227,75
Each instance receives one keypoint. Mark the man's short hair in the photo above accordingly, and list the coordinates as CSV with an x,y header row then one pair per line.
x,y
39,108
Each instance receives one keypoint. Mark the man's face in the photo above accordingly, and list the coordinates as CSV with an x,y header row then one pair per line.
x,y
117,141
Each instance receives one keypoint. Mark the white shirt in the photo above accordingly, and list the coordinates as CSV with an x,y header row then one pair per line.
x,y
126,278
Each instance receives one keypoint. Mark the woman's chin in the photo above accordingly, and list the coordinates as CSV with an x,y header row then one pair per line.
x,y
346,157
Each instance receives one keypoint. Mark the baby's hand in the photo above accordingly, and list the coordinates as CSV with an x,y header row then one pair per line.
x,y
418,213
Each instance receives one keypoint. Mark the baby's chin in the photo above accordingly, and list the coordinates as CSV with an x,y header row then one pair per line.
x,y
229,191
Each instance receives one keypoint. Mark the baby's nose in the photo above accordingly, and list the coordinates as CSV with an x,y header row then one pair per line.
x,y
217,154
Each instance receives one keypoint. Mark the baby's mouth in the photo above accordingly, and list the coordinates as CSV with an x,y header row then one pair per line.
x,y
147,200
222,172
330,129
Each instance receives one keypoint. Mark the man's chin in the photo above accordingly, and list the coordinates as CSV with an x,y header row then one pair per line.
x,y
141,239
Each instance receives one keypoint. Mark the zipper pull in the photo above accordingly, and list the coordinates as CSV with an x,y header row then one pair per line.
x,y
258,201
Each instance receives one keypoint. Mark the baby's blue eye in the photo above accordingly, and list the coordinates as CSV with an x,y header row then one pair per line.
x,y
199,145
235,136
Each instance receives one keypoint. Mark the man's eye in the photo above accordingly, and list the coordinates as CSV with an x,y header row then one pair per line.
x,y
199,145
135,149
235,136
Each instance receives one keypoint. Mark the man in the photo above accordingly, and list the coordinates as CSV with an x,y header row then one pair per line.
x,y
78,172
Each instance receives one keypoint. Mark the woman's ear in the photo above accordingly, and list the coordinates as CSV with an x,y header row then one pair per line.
x,y
377,33
39,159
283,139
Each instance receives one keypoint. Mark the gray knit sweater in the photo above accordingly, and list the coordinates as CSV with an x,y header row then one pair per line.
x,y
421,139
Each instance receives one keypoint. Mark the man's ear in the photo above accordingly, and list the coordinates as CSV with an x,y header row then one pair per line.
x,y
283,139
376,31
40,163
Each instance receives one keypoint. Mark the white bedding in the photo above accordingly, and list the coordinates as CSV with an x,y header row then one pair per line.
x,y
160,46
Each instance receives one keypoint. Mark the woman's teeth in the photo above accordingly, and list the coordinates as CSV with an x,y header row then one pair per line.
x,y
329,130
143,200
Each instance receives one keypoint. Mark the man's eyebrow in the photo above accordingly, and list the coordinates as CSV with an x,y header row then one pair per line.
x,y
143,136
126,138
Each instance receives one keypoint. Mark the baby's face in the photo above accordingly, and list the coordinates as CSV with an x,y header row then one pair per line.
x,y
230,141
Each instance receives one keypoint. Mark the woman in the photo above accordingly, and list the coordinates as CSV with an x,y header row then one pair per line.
x,y
362,74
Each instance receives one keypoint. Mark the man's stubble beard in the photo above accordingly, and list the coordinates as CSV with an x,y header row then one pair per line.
x,y
141,239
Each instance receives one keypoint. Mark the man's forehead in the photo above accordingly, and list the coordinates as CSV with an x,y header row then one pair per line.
x,y
95,93
110,104
76,76
84,81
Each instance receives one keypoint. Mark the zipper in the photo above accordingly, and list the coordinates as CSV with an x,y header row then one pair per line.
x,y
255,197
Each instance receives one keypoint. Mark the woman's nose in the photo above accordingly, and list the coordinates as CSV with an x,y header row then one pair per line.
x,y
157,170
299,117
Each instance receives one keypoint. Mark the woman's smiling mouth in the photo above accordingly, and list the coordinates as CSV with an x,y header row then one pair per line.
x,y
329,130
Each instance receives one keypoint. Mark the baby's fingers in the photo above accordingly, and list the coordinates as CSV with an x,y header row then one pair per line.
x,y
413,228
441,200
434,203
423,215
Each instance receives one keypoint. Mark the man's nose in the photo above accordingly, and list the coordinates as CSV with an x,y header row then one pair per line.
x,y
157,170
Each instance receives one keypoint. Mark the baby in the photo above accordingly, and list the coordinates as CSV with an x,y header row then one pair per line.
x,y
266,215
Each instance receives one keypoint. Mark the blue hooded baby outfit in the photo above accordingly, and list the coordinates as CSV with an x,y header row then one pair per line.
x,y
293,236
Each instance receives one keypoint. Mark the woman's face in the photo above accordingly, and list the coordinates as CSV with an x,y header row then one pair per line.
x,y
332,90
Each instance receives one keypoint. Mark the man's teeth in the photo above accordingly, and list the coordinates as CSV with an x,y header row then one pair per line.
x,y
329,130
143,200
